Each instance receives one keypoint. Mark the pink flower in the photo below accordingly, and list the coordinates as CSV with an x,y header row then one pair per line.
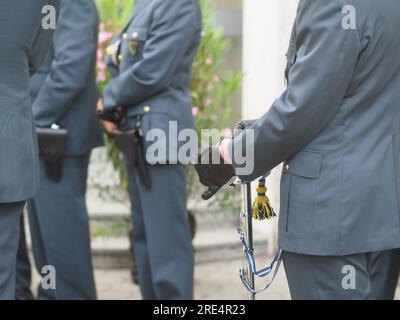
x,y
209,62
195,111
101,66
208,102
104,37
99,54
101,75
216,78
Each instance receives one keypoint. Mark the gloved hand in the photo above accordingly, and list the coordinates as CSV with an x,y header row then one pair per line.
x,y
114,116
242,125
213,176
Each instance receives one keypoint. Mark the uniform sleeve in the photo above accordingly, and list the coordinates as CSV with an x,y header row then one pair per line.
x,y
42,43
327,55
170,36
75,44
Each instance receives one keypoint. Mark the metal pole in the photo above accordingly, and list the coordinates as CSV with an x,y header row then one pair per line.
x,y
249,225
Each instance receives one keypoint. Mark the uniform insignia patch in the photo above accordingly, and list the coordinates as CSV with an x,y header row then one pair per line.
x,y
133,46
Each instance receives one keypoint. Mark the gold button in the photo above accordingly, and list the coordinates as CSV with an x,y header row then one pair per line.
x,y
146,109
135,35
125,36
120,57
287,167
110,50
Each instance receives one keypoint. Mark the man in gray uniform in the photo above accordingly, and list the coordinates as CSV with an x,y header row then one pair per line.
x,y
336,128
23,46
152,86
64,93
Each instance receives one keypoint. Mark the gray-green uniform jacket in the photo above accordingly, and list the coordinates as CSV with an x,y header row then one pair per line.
x,y
336,128
23,46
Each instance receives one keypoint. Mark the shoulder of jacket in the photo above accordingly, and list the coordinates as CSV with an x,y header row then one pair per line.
x,y
338,10
171,6
172,3
73,5
78,10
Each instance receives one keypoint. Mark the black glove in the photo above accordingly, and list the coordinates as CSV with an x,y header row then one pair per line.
x,y
115,116
213,176
242,125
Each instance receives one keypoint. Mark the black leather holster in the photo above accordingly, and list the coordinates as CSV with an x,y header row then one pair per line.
x,y
52,144
131,144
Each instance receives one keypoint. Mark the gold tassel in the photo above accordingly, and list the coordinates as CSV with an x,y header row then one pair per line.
x,y
261,207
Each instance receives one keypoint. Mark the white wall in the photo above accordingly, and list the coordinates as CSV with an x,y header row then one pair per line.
x,y
266,32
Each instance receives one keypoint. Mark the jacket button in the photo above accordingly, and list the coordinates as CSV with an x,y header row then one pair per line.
x,y
110,50
125,36
287,167
146,109
135,35
120,57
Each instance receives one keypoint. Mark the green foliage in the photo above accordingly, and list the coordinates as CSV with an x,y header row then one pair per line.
x,y
113,16
212,94
114,13
115,227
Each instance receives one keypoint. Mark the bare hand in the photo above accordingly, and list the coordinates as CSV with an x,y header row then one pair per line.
x,y
100,106
224,151
110,127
